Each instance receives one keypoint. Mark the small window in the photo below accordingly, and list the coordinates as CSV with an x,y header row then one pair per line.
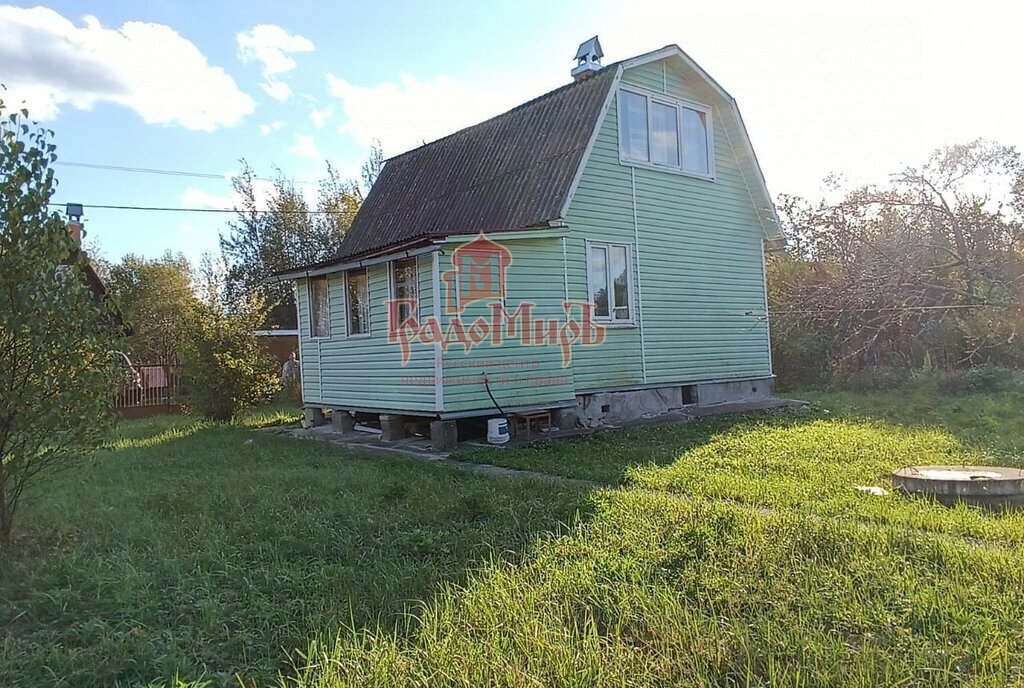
x,y
634,125
319,307
609,280
404,286
695,136
665,133
358,302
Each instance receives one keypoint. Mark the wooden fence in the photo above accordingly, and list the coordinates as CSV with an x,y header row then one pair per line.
x,y
154,389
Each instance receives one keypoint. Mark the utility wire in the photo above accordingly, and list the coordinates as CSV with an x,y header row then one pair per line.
x,y
89,206
171,173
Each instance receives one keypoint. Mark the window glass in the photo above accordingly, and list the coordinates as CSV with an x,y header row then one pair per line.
x,y
404,286
695,141
358,302
319,307
597,272
634,125
620,282
664,134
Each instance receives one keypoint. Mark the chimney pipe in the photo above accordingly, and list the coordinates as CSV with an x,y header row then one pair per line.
x,y
75,228
588,59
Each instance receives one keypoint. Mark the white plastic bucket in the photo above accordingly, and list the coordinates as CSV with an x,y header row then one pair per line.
x,y
497,430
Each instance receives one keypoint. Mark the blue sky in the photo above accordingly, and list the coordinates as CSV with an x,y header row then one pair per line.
x,y
195,86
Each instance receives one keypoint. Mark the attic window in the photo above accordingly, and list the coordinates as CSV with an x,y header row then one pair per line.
x,y
665,134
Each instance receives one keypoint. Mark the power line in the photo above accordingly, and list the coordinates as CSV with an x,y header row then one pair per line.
x,y
97,206
170,173
892,309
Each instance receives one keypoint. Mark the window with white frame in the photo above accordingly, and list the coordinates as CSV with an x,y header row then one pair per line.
x,y
319,307
608,276
357,291
665,133
404,278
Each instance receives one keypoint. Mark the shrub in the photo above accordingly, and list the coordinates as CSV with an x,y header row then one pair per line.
x,y
224,368
986,378
880,377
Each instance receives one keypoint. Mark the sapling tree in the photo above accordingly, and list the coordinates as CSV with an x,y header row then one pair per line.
x,y
57,367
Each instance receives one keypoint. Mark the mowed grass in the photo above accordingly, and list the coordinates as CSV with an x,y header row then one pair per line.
x,y
663,591
736,551
206,551
726,552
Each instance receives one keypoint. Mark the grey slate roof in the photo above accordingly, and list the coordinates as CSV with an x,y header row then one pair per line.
x,y
513,171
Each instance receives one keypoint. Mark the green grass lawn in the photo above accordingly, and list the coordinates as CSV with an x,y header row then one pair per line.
x,y
208,550
727,552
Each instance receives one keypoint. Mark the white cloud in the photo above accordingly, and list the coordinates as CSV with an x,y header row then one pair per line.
x,y
197,198
266,129
405,114
320,117
305,147
269,44
49,62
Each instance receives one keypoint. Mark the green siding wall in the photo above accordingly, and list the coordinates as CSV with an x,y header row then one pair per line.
x,y
365,371
698,262
535,275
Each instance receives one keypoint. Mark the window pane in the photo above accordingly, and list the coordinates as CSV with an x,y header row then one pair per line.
x,y
597,272
319,307
620,281
358,302
404,286
634,125
664,134
695,141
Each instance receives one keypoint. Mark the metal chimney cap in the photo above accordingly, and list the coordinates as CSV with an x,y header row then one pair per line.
x,y
74,211
589,48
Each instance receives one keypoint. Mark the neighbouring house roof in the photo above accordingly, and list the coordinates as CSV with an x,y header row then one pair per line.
x,y
513,171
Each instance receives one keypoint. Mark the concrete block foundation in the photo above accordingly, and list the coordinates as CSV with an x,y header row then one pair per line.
x,y
343,422
444,435
392,428
313,416
617,407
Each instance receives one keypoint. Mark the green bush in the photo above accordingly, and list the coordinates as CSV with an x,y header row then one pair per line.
x,y
224,368
986,378
879,377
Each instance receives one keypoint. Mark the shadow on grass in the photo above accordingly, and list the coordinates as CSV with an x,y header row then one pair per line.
x,y
989,422
208,550
607,456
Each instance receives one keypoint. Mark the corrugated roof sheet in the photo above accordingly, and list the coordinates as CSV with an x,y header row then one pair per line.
x,y
510,172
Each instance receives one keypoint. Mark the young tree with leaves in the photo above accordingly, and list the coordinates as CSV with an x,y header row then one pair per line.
x,y
155,297
57,368
225,369
282,231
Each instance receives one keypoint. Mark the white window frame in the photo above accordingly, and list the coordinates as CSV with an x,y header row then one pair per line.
x,y
312,300
348,307
677,103
609,320
391,281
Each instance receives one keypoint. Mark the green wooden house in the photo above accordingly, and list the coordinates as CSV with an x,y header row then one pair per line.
x,y
620,221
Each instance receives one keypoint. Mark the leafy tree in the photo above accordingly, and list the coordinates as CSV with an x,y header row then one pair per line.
x,y
156,297
373,165
282,231
225,369
57,370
